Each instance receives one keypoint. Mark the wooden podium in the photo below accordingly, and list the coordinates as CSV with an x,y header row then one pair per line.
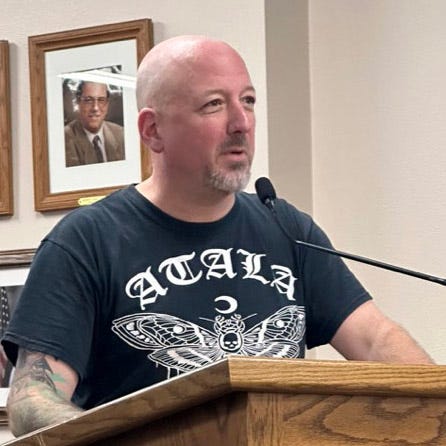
x,y
257,401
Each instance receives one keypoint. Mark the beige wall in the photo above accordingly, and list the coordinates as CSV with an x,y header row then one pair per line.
x,y
289,113
379,136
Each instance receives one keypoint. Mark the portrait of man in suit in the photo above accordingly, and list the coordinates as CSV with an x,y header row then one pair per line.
x,y
91,138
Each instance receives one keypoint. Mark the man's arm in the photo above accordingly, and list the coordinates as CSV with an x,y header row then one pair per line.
x,y
367,334
40,392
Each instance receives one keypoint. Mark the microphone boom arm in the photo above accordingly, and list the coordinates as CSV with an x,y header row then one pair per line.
x,y
357,258
376,263
267,196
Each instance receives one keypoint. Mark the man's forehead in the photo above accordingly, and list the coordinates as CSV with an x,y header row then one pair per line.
x,y
181,66
94,86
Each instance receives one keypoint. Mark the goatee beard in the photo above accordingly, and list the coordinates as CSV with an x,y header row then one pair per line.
x,y
234,181
237,176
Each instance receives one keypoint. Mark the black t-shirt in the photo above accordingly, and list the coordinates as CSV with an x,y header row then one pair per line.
x,y
129,296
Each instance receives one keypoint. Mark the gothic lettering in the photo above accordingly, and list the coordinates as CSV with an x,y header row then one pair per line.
x,y
178,270
284,281
252,266
219,263
215,264
142,285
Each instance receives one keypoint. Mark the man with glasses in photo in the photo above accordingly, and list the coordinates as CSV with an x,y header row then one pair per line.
x,y
89,138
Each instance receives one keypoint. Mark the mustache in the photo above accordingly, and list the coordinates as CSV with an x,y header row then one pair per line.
x,y
236,140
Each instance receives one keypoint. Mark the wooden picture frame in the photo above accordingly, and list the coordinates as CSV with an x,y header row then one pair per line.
x,y
6,198
58,58
16,258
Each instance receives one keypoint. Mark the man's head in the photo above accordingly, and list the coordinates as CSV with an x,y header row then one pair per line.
x,y
196,103
92,100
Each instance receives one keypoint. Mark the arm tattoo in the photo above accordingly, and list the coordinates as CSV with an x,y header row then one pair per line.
x,y
33,370
41,371
34,400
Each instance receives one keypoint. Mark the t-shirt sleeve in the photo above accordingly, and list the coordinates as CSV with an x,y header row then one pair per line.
x,y
331,291
56,310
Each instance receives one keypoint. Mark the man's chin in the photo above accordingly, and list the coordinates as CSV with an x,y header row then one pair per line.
x,y
93,129
230,182
94,125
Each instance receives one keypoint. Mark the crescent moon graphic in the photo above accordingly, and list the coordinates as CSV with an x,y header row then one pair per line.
x,y
232,304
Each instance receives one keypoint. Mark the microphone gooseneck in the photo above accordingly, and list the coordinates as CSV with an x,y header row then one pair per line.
x,y
267,195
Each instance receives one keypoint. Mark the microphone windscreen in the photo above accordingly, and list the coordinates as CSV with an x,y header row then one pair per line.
x,y
265,190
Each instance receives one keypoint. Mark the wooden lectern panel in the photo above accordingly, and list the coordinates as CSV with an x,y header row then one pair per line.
x,y
218,422
258,401
264,419
337,420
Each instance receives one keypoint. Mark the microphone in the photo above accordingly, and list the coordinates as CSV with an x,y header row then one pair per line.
x,y
267,195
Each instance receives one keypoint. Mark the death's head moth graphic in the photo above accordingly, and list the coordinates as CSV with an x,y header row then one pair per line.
x,y
184,346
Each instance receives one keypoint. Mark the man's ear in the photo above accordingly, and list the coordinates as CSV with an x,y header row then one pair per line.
x,y
148,129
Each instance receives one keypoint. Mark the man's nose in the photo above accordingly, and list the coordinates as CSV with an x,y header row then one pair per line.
x,y
240,119
95,104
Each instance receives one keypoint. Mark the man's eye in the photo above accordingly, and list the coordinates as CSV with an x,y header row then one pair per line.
x,y
251,100
212,106
214,103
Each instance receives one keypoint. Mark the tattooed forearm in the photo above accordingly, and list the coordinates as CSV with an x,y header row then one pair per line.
x,y
37,397
41,372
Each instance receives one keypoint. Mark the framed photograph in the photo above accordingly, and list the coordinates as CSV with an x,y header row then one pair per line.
x,y
84,114
14,268
6,200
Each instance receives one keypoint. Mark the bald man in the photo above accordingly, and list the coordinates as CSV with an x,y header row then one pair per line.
x,y
184,268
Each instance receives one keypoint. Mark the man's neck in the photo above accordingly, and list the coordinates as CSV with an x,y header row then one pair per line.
x,y
203,207
91,135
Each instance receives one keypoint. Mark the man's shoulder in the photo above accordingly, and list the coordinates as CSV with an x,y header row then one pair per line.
x,y
73,127
114,134
102,210
252,201
113,126
286,212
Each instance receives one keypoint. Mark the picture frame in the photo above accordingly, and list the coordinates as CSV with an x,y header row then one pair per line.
x,y
6,196
106,54
16,258
14,268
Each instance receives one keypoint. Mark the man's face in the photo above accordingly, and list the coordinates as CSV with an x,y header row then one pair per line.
x,y
207,126
93,106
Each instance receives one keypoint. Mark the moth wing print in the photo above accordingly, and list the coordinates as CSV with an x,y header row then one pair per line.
x,y
278,335
187,358
279,349
152,331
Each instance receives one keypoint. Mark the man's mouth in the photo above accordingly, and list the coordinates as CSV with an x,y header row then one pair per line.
x,y
235,155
